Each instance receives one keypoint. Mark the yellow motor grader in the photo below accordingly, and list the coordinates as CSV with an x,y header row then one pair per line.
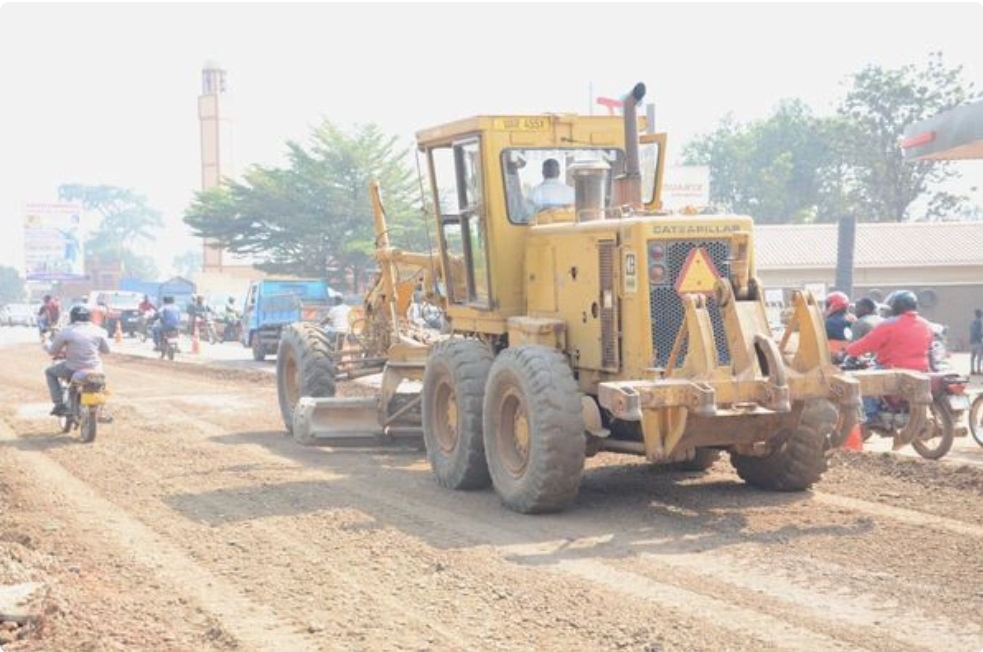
x,y
600,324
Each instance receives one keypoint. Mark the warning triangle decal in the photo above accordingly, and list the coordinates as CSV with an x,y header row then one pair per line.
x,y
698,273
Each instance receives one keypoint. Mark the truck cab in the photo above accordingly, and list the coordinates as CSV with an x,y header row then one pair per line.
x,y
272,304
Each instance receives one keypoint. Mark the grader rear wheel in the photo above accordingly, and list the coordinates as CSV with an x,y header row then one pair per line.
x,y
304,367
799,460
533,429
453,385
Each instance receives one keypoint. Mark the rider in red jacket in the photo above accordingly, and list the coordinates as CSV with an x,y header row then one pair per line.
x,y
900,342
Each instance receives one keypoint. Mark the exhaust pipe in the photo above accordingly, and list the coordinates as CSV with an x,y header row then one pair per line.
x,y
628,186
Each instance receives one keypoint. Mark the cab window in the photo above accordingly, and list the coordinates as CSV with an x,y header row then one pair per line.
x,y
457,182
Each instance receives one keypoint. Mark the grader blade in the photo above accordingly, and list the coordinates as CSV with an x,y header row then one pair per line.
x,y
339,420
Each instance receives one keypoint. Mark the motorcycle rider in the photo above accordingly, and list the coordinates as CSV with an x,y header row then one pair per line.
x,y
198,310
169,319
148,312
867,318
49,314
838,319
901,341
230,318
146,306
80,342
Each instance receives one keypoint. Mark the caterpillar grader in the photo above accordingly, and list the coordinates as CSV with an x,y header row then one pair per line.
x,y
607,324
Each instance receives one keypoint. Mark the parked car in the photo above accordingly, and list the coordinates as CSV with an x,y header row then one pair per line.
x,y
19,314
112,307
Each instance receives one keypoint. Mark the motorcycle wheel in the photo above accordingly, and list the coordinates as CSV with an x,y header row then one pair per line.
x,y
976,419
87,424
68,421
938,441
170,352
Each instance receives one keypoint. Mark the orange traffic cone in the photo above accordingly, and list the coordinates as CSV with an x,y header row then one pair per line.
x,y
854,442
118,335
195,342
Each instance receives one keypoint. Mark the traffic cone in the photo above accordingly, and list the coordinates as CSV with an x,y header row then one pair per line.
x,y
854,442
118,335
195,342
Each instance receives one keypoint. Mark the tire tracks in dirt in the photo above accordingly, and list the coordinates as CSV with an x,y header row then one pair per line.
x,y
253,624
603,541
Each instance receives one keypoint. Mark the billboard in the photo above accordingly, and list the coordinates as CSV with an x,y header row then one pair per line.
x,y
686,186
53,242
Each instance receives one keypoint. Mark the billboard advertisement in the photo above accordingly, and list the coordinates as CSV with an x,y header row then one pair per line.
x,y
53,242
686,186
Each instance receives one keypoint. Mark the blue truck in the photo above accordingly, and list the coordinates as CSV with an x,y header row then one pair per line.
x,y
272,304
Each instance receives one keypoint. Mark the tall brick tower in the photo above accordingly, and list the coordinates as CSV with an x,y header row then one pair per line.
x,y
216,143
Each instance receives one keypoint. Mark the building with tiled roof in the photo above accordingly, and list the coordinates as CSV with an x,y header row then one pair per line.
x,y
942,262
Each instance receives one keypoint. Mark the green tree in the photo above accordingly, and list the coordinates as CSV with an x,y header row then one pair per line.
x,y
12,286
797,167
768,168
314,217
881,103
127,219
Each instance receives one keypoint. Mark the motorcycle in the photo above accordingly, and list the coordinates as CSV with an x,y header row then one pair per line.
x,y
976,419
84,396
206,328
146,319
231,329
169,343
942,423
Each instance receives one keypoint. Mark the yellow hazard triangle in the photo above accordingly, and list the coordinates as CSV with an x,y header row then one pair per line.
x,y
698,273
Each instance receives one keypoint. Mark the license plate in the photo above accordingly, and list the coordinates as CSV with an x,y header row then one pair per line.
x,y
958,402
95,398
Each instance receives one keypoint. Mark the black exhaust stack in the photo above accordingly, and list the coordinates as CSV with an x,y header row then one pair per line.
x,y
628,186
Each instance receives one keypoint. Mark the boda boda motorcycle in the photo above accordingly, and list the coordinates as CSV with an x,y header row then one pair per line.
x,y
85,396
945,419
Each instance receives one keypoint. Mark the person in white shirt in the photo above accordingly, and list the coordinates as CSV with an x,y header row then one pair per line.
x,y
337,316
551,193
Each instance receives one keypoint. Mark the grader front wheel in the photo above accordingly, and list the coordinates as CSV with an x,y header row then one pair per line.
x,y
533,429
799,460
304,367
453,384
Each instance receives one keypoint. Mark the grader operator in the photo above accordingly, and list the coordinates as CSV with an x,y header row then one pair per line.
x,y
606,324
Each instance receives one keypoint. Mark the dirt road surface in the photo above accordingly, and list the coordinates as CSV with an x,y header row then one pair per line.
x,y
193,523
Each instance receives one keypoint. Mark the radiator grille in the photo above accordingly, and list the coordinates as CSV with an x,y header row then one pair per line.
x,y
666,308
609,332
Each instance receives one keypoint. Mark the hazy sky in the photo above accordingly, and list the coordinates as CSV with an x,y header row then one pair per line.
x,y
107,93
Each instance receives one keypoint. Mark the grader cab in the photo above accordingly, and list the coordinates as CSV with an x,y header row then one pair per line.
x,y
604,324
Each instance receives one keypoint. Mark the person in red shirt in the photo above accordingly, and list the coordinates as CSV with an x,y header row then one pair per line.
x,y
49,314
899,342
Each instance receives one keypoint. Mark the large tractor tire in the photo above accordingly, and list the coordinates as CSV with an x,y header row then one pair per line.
x,y
453,387
533,429
799,461
304,367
